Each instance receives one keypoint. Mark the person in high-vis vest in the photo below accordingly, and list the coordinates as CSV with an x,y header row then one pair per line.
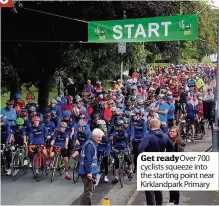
x,y
89,169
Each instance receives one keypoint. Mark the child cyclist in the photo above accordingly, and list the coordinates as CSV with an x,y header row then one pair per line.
x,y
60,139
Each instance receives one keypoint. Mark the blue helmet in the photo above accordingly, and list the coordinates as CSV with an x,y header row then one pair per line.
x,y
66,113
18,95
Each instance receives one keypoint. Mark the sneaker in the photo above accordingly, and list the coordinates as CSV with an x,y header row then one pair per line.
x,y
25,162
67,176
15,172
188,140
170,203
9,172
30,165
130,175
106,180
115,181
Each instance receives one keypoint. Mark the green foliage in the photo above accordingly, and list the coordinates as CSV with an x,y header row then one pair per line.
x,y
206,60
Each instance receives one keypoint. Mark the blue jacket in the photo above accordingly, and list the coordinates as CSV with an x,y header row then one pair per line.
x,y
37,135
112,124
190,110
50,126
156,141
60,138
57,109
5,133
105,145
138,129
88,160
191,84
10,114
69,126
82,137
120,139
57,122
18,135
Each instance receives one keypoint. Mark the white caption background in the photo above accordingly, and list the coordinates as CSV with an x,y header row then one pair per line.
x,y
186,171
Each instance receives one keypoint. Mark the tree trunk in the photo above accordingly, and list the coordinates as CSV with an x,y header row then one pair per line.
x,y
44,86
15,86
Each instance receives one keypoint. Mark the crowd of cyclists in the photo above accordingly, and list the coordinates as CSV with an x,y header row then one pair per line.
x,y
173,94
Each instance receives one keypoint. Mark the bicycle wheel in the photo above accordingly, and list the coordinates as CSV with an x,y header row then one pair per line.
x,y
38,176
26,167
55,165
15,166
75,170
53,174
122,172
61,165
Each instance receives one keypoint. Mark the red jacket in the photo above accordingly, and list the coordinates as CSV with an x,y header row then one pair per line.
x,y
68,107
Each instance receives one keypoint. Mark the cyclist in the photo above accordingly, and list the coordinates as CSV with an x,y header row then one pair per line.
x,y
37,136
69,105
49,125
162,110
170,114
53,106
151,115
19,137
104,147
5,138
81,135
200,114
190,115
27,120
60,139
30,99
32,112
18,100
119,140
138,131
55,119
18,110
9,112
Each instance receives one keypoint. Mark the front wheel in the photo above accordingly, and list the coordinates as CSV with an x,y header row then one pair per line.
x,y
37,169
15,166
61,165
75,170
122,173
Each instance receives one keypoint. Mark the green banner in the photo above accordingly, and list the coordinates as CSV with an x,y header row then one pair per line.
x,y
167,28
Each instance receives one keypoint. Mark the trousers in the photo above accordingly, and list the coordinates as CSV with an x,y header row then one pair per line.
x,y
154,197
89,188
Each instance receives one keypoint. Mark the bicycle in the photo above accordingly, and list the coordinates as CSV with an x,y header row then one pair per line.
x,y
4,163
188,130
18,160
43,165
76,165
58,163
123,167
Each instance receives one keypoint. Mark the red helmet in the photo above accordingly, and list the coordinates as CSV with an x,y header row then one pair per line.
x,y
29,97
35,119
69,98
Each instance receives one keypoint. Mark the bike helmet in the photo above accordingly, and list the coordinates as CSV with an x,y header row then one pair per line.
x,y
35,119
58,99
119,112
77,97
8,102
126,120
76,111
82,116
18,95
151,108
96,116
101,122
98,82
132,113
19,121
3,118
66,113
113,109
29,97
23,112
69,98
81,124
32,109
53,101
47,115
53,113
119,123
63,124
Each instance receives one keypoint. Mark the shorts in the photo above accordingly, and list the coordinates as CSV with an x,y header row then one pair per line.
x,y
191,119
64,152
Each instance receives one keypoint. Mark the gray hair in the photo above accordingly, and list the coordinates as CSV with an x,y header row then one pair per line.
x,y
97,133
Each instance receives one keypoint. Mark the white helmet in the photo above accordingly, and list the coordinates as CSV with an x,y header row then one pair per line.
x,y
101,122
76,111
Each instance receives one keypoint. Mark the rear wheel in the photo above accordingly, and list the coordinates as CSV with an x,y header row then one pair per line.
x,y
53,174
75,170
15,166
122,173
61,165
37,171
26,166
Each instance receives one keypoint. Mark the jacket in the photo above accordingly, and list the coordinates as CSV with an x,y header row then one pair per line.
x,y
88,159
10,114
156,141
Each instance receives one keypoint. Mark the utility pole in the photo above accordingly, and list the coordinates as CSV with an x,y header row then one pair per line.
x,y
121,66
215,137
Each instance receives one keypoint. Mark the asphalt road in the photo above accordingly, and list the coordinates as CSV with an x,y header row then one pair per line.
x,y
26,191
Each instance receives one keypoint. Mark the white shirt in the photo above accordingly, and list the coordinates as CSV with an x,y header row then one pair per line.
x,y
209,97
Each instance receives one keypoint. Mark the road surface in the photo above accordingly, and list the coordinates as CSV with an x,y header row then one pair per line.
x,y
26,191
